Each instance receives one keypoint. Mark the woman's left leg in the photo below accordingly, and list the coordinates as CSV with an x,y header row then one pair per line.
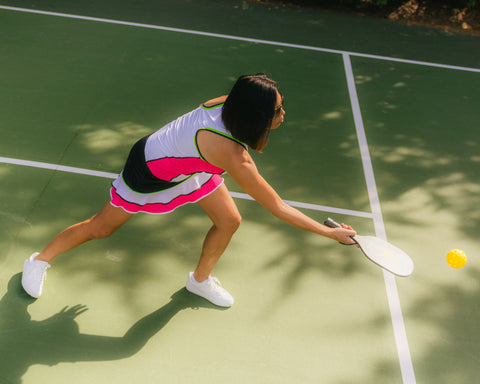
x,y
224,214
226,219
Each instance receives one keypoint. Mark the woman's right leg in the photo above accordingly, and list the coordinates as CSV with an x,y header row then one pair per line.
x,y
102,225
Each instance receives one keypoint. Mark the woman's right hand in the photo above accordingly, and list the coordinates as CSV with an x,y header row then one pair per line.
x,y
344,234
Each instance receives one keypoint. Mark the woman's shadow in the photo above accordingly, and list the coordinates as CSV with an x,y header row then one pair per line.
x,y
57,339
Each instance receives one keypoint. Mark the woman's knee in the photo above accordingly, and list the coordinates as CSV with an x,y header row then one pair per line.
x,y
97,230
236,221
106,222
230,223
102,232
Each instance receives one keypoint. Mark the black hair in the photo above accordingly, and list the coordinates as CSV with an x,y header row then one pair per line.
x,y
249,109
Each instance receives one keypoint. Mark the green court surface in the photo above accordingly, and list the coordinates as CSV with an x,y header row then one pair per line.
x,y
77,92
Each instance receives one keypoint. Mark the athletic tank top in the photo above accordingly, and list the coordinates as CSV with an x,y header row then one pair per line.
x,y
170,155
172,152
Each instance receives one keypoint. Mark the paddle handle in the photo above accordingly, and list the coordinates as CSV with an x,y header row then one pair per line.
x,y
332,223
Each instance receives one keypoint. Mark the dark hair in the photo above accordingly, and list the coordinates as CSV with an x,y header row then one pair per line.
x,y
249,109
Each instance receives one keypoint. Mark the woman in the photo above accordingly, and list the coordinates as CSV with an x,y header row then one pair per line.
x,y
180,164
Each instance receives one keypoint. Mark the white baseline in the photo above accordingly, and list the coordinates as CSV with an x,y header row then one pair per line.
x,y
230,37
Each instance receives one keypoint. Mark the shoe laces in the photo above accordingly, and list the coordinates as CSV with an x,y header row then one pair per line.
x,y
214,280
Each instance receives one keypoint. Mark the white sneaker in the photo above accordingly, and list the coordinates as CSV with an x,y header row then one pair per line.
x,y
34,274
210,289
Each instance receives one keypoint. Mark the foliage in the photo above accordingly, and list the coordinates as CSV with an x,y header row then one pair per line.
x,y
384,3
450,3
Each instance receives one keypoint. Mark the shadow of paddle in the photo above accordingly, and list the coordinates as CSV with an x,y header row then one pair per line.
x,y
24,342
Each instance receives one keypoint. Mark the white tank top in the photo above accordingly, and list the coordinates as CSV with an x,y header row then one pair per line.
x,y
172,154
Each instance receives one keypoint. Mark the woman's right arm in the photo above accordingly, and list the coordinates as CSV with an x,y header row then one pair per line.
x,y
234,159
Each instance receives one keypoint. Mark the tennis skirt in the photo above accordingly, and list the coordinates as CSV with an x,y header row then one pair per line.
x,y
193,189
138,190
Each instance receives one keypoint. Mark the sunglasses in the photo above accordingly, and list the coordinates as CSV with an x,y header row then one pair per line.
x,y
278,108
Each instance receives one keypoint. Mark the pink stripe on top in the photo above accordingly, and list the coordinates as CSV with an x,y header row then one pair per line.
x,y
169,168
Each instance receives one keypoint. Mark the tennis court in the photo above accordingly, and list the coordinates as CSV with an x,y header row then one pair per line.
x,y
380,132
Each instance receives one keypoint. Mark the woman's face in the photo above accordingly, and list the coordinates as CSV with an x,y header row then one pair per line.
x,y
279,112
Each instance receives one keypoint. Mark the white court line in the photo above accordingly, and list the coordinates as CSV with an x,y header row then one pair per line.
x,y
108,175
399,331
313,207
247,39
38,164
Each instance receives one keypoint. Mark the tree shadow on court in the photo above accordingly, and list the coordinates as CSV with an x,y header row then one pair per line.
x,y
25,342
447,332
423,138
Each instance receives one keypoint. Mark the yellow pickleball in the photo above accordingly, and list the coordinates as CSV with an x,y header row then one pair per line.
x,y
456,258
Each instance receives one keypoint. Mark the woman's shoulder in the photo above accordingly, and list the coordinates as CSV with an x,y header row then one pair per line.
x,y
215,102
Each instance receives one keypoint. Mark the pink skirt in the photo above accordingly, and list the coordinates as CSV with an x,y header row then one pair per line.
x,y
191,190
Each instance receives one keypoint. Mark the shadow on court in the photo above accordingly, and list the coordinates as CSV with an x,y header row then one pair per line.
x,y
449,328
57,339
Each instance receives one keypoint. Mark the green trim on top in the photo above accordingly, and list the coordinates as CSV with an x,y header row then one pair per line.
x,y
218,133
213,106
